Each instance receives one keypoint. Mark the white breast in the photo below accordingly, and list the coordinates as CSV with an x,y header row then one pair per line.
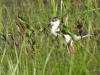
x,y
68,38
54,32
55,29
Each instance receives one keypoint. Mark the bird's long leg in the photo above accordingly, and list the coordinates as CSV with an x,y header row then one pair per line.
x,y
71,47
81,41
81,34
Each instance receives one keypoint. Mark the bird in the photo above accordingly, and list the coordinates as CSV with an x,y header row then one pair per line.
x,y
54,23
69,37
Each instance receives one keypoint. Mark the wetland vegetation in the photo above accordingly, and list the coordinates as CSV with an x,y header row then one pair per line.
x,y
26,46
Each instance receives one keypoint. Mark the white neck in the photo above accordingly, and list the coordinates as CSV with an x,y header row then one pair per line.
x,y
55,29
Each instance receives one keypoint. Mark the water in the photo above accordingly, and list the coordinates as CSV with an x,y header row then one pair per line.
x,y
10,3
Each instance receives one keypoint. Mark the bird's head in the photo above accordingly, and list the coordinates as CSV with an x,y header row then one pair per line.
x,y
54,21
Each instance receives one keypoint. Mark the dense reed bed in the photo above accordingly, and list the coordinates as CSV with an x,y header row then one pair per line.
x,y
28,48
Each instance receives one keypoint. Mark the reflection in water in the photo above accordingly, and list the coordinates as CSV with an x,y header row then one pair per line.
x,y
10,3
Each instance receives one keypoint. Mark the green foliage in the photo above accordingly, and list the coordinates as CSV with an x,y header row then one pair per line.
x,y
1,26
28,48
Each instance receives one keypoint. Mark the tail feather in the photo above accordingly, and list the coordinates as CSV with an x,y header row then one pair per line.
x,y
84,36
87,35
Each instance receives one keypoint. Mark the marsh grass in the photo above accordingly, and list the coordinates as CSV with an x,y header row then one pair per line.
x,y
37,53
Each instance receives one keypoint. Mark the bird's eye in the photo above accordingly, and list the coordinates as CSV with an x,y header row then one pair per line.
x,y
53,20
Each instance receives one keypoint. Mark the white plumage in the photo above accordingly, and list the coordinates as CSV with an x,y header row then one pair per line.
x,y
54,22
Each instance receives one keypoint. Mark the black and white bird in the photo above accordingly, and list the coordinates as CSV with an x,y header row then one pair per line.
x,y
69,39
55,22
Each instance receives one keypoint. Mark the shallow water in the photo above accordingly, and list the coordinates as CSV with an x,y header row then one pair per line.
x,y
10,3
